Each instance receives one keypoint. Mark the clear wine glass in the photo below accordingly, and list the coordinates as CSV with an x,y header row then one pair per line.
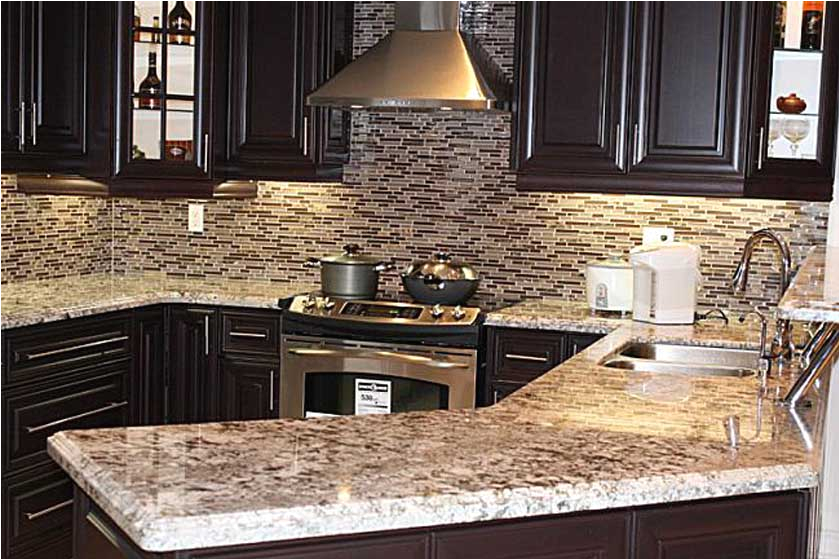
x,y
774,133
796,130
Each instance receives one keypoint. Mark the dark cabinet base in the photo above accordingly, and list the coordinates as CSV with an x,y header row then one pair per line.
x,y
756,526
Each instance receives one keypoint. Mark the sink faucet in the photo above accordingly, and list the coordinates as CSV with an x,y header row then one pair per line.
x,y
782,342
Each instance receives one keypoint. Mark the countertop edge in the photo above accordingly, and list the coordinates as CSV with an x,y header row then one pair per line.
x,y
285,524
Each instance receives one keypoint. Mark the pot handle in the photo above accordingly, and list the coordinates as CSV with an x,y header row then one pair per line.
x,y
382,267
312,262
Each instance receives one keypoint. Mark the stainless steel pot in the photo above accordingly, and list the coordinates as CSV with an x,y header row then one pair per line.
x,y
350,275
440,280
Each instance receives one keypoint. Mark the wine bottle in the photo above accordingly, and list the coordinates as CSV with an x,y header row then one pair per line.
x,y
812,22
150,87
156,26
779,25
180,24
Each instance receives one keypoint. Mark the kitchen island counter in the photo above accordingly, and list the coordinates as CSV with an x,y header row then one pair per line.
x,y
580,438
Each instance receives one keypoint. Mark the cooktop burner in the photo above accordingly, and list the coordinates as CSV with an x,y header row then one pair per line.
x,y
383,311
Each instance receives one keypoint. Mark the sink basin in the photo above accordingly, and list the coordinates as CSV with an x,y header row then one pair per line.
x,y
684,359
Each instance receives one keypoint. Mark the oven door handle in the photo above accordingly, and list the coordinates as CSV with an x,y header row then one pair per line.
x,y
353,353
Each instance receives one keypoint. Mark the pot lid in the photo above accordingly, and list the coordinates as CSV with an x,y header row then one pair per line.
x,y
352,255
442,267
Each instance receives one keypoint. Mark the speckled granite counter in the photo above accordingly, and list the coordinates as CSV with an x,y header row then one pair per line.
x,y
813,294
28,303
555,315
581,437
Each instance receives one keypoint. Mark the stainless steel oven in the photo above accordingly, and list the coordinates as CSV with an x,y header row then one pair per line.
x,y
322,376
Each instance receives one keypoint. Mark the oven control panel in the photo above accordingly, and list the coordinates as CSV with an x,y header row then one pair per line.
x,y
383,311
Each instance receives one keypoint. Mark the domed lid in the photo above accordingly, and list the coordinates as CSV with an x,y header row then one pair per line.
x,y
352,255
441,267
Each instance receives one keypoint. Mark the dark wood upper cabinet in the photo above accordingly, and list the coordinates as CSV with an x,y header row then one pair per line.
x,y
166,135
274,54
55,86
776,168
690,94
573,61
666,98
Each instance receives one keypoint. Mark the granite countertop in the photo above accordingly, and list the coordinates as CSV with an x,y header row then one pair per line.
x,y
813,294
581,437
41,301
556,315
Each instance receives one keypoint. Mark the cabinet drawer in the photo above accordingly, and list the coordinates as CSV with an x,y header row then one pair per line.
x,y
252,333
38,511
94,399
523,355
37,352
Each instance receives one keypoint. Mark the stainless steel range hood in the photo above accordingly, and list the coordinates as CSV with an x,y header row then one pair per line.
x,y
425,63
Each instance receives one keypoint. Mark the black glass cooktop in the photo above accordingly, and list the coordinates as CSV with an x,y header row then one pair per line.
x,y
381,311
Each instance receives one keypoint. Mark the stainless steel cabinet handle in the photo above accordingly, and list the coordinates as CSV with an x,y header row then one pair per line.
x,y
271,392
761,147
206,335
239,334
54,423
22,126
47,353
47,511
637,145
305,136
206,163
618,145
495,396
412,358
526,358
34,124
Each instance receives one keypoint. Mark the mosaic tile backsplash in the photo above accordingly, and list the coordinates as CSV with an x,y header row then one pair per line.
x,y
416,183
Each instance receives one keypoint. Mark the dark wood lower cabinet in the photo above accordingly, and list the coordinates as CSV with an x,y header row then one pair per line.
x,y
750,527
193,365
250,389
756,526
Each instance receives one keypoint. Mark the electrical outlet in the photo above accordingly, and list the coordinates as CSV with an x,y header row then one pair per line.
x,y
196,218
654,235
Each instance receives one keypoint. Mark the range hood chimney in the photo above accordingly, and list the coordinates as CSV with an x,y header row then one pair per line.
x,y
425,63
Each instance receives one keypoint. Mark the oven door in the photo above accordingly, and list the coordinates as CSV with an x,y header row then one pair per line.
x,y
322,377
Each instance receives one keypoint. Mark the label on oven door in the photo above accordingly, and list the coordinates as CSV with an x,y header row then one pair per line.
x,y
373,396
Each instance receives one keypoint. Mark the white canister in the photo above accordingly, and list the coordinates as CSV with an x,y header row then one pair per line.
x,y
609,285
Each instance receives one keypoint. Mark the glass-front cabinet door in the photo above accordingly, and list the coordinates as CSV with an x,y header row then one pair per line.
x,y
795,102
163,104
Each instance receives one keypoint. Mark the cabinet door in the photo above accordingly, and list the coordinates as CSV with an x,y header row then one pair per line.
x,y
576,342
54,86
249,390
271,60
150,398
193,371
14,100
572,67
163,128
792,155
756,527
690,95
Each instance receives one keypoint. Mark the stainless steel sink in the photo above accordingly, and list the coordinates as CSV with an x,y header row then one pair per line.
x,y
684,359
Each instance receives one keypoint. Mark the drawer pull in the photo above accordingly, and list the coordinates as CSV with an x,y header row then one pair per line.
x,y
49,510
48,425
526,358
262,335
57,351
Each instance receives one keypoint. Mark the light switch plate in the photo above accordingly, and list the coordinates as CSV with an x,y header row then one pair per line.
x,y
654,235
195,223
